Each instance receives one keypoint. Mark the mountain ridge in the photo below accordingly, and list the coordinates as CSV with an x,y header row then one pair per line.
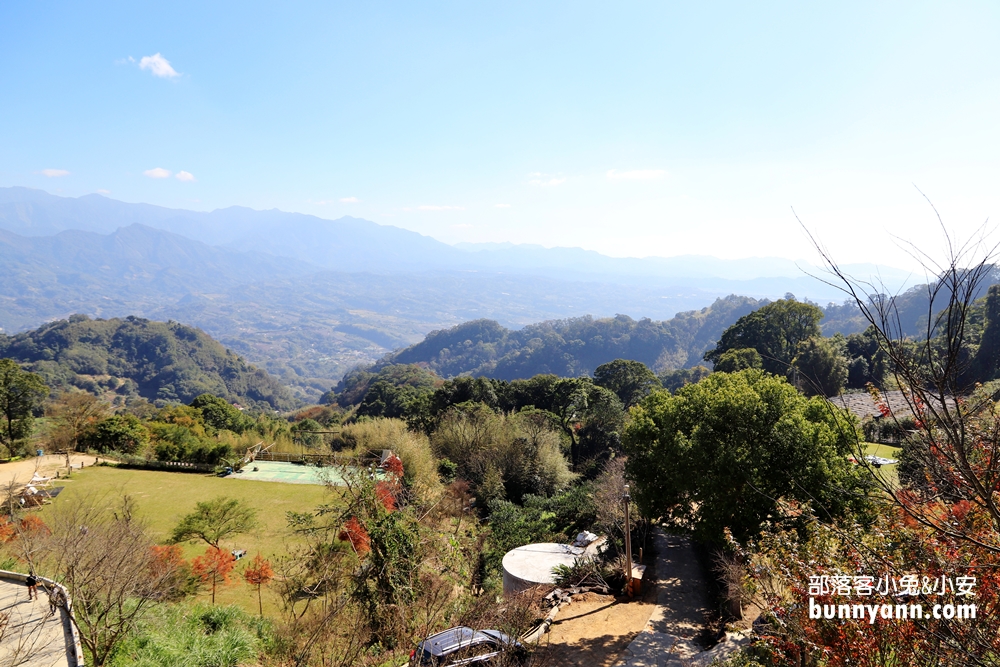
x,y
354,244
134,357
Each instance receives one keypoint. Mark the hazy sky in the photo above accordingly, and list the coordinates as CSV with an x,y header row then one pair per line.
x,y
630,128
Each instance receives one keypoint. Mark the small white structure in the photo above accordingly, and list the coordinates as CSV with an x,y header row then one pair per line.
x,y
531,565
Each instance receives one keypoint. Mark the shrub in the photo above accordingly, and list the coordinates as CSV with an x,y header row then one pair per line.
x,y
420,474
503,456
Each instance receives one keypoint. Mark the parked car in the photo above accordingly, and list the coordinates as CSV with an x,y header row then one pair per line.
x,y
465,646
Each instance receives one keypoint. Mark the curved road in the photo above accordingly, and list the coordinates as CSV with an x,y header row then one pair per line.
x,y
30,636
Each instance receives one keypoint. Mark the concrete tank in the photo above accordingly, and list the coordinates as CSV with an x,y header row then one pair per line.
x,y
531,565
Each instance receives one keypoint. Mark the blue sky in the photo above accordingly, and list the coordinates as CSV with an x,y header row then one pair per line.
x,y
630,128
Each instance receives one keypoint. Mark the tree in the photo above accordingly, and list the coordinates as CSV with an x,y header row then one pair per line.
x,y
104,556
630,380
954,449
169,563
307,432
775,331
738,359
220,414
866,361
722,453
258,573
389,583
986,362
384,399
599,433
675,379
821,366
76,412
215,520
118,433
21,393
213,567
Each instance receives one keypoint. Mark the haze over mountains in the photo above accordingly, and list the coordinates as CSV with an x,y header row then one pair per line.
x,y
307,298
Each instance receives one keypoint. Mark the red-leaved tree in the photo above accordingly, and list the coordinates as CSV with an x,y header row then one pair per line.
x,y
214,567
258,573
355,533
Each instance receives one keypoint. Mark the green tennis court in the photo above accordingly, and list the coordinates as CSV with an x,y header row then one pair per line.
x,y
292,473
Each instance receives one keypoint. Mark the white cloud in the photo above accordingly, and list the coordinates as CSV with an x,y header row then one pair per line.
x,y
158,65
441,208
158,172
184,176
462,226
545,180
104,192
637,175
55,173
349,200
502,205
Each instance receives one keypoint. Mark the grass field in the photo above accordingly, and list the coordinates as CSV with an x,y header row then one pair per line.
x,y
888,472
164,497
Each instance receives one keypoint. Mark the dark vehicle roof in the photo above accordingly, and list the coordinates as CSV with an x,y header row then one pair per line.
x,y
453,639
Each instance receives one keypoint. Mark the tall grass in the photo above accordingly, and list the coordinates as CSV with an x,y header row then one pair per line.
x,y
195,636
414,450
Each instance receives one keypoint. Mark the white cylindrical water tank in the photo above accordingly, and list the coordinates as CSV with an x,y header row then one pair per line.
x,y
531,565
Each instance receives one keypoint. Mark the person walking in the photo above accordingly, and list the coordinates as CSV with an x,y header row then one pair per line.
x,y
56,599
32,582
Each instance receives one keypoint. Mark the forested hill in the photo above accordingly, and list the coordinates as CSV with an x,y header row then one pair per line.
x,y
576,346
137,357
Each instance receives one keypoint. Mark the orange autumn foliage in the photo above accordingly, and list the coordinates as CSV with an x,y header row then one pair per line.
x,y
258,572
355,533
386,495
34,524
166,559
214,567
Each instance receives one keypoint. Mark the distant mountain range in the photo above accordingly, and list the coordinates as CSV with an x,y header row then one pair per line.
x,y
355,245
308,298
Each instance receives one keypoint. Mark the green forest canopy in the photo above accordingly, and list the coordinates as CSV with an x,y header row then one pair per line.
x,y
165,361
574,347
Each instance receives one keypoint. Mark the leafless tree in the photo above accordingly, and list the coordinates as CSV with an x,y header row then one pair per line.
x,y
102,553
956,443
74,412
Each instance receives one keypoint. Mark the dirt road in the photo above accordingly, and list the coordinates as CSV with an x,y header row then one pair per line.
x,y
46,466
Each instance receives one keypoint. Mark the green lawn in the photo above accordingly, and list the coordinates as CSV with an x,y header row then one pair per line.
x,y
164,497
888,472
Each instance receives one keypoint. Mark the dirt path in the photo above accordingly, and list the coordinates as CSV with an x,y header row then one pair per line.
x,y
599,631
22,471
594,630
670,638
682,604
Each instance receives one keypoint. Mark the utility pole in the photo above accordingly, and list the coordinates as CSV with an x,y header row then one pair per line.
x,y
628,542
